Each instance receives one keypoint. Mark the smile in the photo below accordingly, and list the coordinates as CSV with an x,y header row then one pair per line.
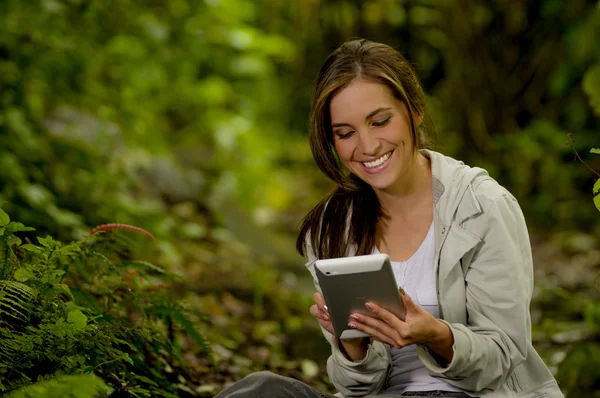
x,y
377,162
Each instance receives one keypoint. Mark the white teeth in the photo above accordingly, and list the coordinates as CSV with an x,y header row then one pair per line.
x,y
377,162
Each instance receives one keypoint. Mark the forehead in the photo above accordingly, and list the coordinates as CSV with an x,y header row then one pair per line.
x,y
360,98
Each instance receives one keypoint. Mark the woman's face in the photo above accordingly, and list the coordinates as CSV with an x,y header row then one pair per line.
x,y
371,134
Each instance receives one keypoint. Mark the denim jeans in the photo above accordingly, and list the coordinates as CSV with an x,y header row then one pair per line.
x,y
269,385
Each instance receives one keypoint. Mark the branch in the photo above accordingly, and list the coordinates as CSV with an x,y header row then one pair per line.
x,y
572,145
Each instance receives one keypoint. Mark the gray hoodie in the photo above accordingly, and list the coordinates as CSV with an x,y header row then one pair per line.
x,y
484,285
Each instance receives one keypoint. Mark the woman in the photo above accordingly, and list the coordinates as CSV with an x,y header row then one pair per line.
x,y
457,240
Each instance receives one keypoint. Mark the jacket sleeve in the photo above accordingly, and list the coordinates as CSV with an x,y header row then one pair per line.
x,y
499,285
353,379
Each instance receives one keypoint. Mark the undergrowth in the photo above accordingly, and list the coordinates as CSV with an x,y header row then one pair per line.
x,y
79,319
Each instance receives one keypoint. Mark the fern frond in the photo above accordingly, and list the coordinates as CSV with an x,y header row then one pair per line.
x,y
144,264
15,299
11,308
101,256
176,313
124,227
12,343
28,292
5,263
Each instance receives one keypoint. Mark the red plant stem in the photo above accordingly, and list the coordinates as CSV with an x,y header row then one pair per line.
x,y
124,227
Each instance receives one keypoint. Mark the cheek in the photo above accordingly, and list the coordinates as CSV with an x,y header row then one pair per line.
x,y
343,150
403,135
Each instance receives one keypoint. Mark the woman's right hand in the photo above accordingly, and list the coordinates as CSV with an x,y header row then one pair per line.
x,y
319,311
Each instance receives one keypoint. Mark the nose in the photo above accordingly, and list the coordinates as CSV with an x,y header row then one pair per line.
x,y
369,145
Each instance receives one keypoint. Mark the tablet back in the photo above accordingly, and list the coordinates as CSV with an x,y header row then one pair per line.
x,y
349,282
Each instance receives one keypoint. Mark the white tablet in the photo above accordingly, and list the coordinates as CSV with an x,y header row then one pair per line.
x,y
349,282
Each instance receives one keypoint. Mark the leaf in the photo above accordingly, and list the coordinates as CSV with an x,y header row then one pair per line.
x,y
48,242
31,248
77,319
4,218
18,227
52,277
23,274
13,240
127,358
63,292
597,194
69,250
595,150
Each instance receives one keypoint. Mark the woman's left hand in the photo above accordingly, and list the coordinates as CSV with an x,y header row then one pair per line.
x,y
418,327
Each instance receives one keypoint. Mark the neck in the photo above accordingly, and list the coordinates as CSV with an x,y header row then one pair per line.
x,y
410,190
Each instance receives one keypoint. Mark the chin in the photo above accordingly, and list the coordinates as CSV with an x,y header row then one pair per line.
x,y
379,184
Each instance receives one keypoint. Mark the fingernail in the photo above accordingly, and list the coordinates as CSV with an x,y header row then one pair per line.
x,y
326,317
326,309
369,306
352,325
354,317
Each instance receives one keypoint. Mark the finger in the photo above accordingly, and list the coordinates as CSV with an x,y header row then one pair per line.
x,y
387,316
320,301
319,313
318,298
327,326
408,302
374,324
374,333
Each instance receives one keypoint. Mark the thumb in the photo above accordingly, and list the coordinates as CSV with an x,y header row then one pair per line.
x,y
407,301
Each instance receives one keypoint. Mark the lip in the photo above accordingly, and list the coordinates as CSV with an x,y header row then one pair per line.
x,y
375,170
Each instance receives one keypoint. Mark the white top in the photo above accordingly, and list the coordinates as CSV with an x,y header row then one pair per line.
x,y
417,277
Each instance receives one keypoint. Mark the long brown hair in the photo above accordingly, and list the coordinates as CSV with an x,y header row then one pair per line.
x,y
348,215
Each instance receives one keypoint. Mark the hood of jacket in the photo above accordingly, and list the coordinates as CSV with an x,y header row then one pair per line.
x,y
452,186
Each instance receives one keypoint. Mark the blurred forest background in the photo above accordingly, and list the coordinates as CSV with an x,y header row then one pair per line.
x,y
187,118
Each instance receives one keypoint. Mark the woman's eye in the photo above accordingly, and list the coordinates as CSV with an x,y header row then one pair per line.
x,y
382,123
345,135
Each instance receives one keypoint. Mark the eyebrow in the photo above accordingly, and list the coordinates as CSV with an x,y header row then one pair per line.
x,y
370,115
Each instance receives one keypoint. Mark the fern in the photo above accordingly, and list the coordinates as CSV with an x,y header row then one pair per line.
x,y
177,313
14,300
144,265
71,309
79,386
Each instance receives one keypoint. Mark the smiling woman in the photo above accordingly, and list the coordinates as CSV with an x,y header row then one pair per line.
x,y
457,240
377,147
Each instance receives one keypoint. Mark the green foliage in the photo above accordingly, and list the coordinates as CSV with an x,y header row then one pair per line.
x,y
80,386
596,189
579,372
76,309
129,105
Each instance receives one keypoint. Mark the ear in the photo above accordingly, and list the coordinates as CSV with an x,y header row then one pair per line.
x,y
418,120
